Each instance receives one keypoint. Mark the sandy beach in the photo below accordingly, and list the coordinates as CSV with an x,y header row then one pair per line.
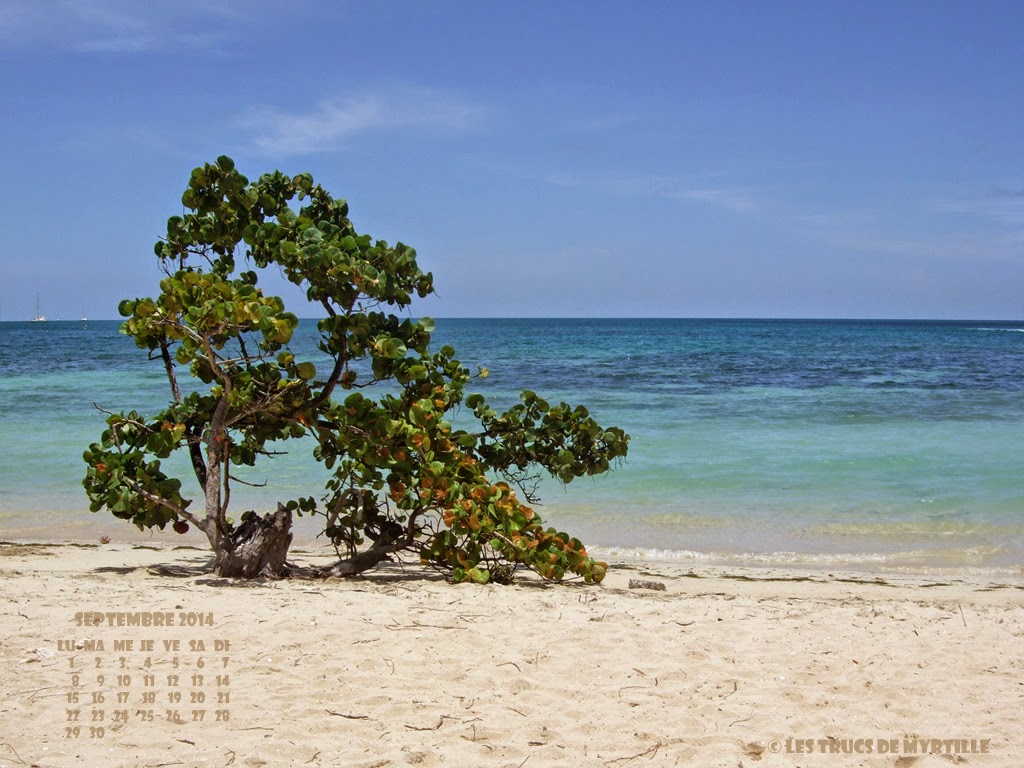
x,y
128,655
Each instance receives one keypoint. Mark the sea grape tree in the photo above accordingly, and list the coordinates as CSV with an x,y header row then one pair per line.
x,y
380,416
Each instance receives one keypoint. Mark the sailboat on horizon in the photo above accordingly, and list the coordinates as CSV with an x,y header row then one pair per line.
x,y
39,317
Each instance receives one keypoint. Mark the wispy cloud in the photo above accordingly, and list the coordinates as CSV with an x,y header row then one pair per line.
x,y
1015,192
602,123
867,233
124,26
1003,204
735,199
331,122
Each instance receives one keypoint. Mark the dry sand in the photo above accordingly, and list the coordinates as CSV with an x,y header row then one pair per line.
x,y
401,668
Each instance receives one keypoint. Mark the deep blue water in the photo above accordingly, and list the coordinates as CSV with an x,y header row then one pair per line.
x,y
804,441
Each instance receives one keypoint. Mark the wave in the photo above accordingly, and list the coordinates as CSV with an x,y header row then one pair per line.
x,y
980,559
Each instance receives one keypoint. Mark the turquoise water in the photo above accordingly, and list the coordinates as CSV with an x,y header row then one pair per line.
x,y
819,442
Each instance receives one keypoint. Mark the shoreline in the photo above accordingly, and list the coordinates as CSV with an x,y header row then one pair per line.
x,y
189,560
921,563
950,560
399,667
195,560
314,554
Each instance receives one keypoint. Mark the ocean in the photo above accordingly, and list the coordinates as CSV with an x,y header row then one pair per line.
x,y
821,443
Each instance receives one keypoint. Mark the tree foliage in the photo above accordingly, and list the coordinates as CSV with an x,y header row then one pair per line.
x,y
403,477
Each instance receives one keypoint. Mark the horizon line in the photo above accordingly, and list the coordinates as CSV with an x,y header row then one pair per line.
x,y
794,318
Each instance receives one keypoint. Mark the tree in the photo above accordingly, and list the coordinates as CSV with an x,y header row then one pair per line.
x,y
402,476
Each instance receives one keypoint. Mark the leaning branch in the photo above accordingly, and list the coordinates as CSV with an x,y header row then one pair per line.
x,y
376,554
152,497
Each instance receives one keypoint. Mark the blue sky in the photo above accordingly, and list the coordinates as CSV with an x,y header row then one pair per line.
x,y
558,158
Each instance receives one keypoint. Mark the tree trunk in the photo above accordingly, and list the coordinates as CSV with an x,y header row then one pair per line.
x,y
256,548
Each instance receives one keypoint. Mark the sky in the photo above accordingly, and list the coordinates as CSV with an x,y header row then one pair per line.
x,y
545,158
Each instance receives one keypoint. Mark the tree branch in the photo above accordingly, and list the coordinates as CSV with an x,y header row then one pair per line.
x,y
165,353
179,511
377,553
